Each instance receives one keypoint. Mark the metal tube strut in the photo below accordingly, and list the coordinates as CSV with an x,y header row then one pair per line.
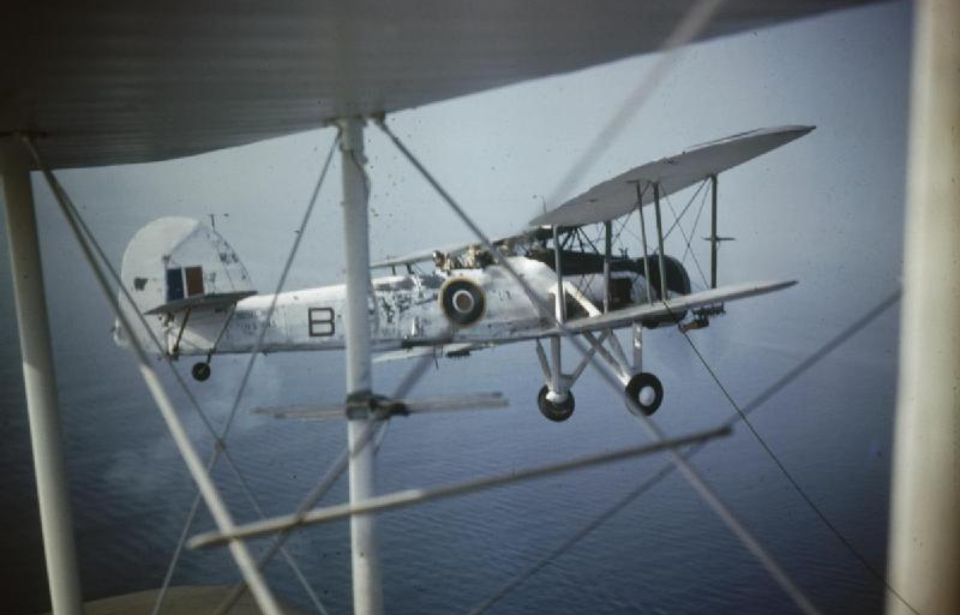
x,y
560,310
40,384
713,231
409,497
663,270
607,249
367,589
925,528
643,241
221,516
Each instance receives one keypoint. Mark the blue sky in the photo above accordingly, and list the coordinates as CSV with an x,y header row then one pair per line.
x,y
826,210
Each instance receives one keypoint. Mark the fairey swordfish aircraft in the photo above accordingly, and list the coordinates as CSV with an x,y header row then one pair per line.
x,y
188,279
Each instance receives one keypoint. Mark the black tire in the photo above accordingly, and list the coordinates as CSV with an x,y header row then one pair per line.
x,y
462,302
556,412
636,386
200,371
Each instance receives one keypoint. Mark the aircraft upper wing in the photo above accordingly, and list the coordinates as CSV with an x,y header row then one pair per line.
x,y
118,82
415,257
675,305
457,249
618,196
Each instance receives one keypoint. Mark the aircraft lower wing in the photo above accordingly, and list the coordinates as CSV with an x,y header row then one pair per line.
x,y
452,351
676,305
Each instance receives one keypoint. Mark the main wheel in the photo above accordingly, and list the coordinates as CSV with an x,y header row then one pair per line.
x,y
200,371
646,390
553,410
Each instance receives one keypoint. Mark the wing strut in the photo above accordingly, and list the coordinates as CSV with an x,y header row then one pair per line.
x,y
660,260
643,240
558,386
40,383
607,249
713,230
367,592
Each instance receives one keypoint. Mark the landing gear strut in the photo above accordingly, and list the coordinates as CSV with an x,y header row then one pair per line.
x,y
555,410
645,389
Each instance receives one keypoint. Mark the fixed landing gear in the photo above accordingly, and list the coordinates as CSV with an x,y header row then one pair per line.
x,y
554,409
200,371
645,389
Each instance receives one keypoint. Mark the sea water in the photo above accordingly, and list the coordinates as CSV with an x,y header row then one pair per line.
x,y
665,552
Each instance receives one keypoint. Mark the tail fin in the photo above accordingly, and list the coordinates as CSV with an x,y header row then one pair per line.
x,y
172,263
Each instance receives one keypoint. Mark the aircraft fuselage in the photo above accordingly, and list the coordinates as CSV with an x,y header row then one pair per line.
x,y
405,311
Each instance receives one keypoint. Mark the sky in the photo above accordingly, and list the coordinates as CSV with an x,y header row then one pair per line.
x,y
825,210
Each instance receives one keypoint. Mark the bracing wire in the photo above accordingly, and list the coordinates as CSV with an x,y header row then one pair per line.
x,y
411,497
374,431
693,23
786,473
687,240
676,218
623,227
220,445
222,435
218,509
696,224
758,401
693,476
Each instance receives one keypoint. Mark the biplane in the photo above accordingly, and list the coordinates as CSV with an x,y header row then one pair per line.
x,y
453,301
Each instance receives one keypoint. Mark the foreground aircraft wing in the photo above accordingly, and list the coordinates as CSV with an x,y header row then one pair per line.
x,y
676,305
122,82
618,196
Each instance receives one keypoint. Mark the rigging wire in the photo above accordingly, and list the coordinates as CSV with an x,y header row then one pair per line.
x,y
219,443
220,438
688,240
693,476
696,223
374,431
758,401
676,220
623,226
411,497
786,473
691,25
215,503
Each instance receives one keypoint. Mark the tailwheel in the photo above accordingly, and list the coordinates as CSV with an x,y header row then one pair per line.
x,y
200,372
646,390
556,411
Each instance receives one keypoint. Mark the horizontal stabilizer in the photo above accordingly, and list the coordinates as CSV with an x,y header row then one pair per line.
x,y
674,306
211,301
315,412
618,196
